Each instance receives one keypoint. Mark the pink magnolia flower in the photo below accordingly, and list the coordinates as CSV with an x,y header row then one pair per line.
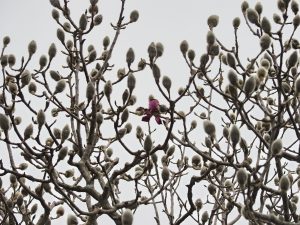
x,y
153,110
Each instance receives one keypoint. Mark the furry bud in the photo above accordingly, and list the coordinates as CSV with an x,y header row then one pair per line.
x,y
6,41
55,3
166,81
296,21
165,174
54,75
98,20
204,217
170,150
107,89
210,38
261,73
83,22
148,144
209,127
142,64
258,7
4,122
106,42
90,91
295,7
130,56
134,16
184,46
41,117
43,61
265,41
252,16
63,152
156,72
276,18
284,183
28,131
92,56
32,47
72,220
152,51
212,189
99,117
265,63
127,217
65,133
125,115
212,21
52,51
55,14
11,59
4,60
236,22
196,160
250,85
266,25
297,86
60,35
198,203
244,6
231,60
232,77
242,177
191,54
234,135
276,146
60,86
131,82
159,49
25,77
293,59
60,211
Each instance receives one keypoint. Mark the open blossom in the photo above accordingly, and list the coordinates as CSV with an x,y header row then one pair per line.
x,y
153,110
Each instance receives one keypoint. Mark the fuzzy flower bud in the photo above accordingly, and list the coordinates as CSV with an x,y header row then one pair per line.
x,y
212,189
60,211
108,89
65,133
83,22
233,78
25,77
293,59
72,220
244,6
234,135
191,54
60,86
210,38
296,21
105,42
134,16
209,127
11,59
165,174
166,81
252,16
148,144
55,3
55,14
236,22
184,46
284,183
212,21
276,146
266,25
170,150
99,117
159,49
242,177
41,117
92,56
204,217
60,35
127,217
125,115
297,86
131,82
4,122
250,85
156,72
54,75
152,51
98,19
258,7
265,41
43,61
6,41
63,152
32,47
28,131
295,7
231,60
130,56
90,91
4,60
52,51
276,18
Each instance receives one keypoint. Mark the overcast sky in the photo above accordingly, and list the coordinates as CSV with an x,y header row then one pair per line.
x,y
167,21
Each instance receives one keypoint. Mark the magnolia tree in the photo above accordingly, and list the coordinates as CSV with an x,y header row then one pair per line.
x,y
87,145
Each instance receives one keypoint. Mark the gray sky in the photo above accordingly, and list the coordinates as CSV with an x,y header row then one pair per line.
x,y
167,21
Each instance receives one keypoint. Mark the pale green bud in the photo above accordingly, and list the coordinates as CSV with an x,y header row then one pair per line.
x,y
127,217
25,77
167,83
32,47
266,25
284,183
212,21
276,146
4,122
131,82
83,22
252,16
52,51
184,46
134,16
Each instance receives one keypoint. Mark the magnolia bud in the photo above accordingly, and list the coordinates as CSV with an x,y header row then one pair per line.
x,y
266,25
32,47
242,177
72,220
184,46
191,54
60,35
210,38
125,115
236,22
83,22
212,189
234,135
232,77
63,152
98,20
4,60
265,63
65,132
296,21
106,42
295,7
276,18
281,5
293,59
196,160
60,86
131,82
6,41
54,75
52,51
252,15
231,60
284,183
265,41
127,217
99,118
156,72
41,117
4,122
244,6
107,89
152,51
43,61
90,91
170,150
25,77
258,7
261,73
159,49
69,173
165,174
142,64
276,146
166,81
297,86
209,127
55,14
92,56
134,16
148,144
212,21
204,217
60,211
11,59
130,56
198,203
55,3
28,131
250,85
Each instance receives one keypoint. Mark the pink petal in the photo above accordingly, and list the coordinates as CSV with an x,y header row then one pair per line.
x,y
158,120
